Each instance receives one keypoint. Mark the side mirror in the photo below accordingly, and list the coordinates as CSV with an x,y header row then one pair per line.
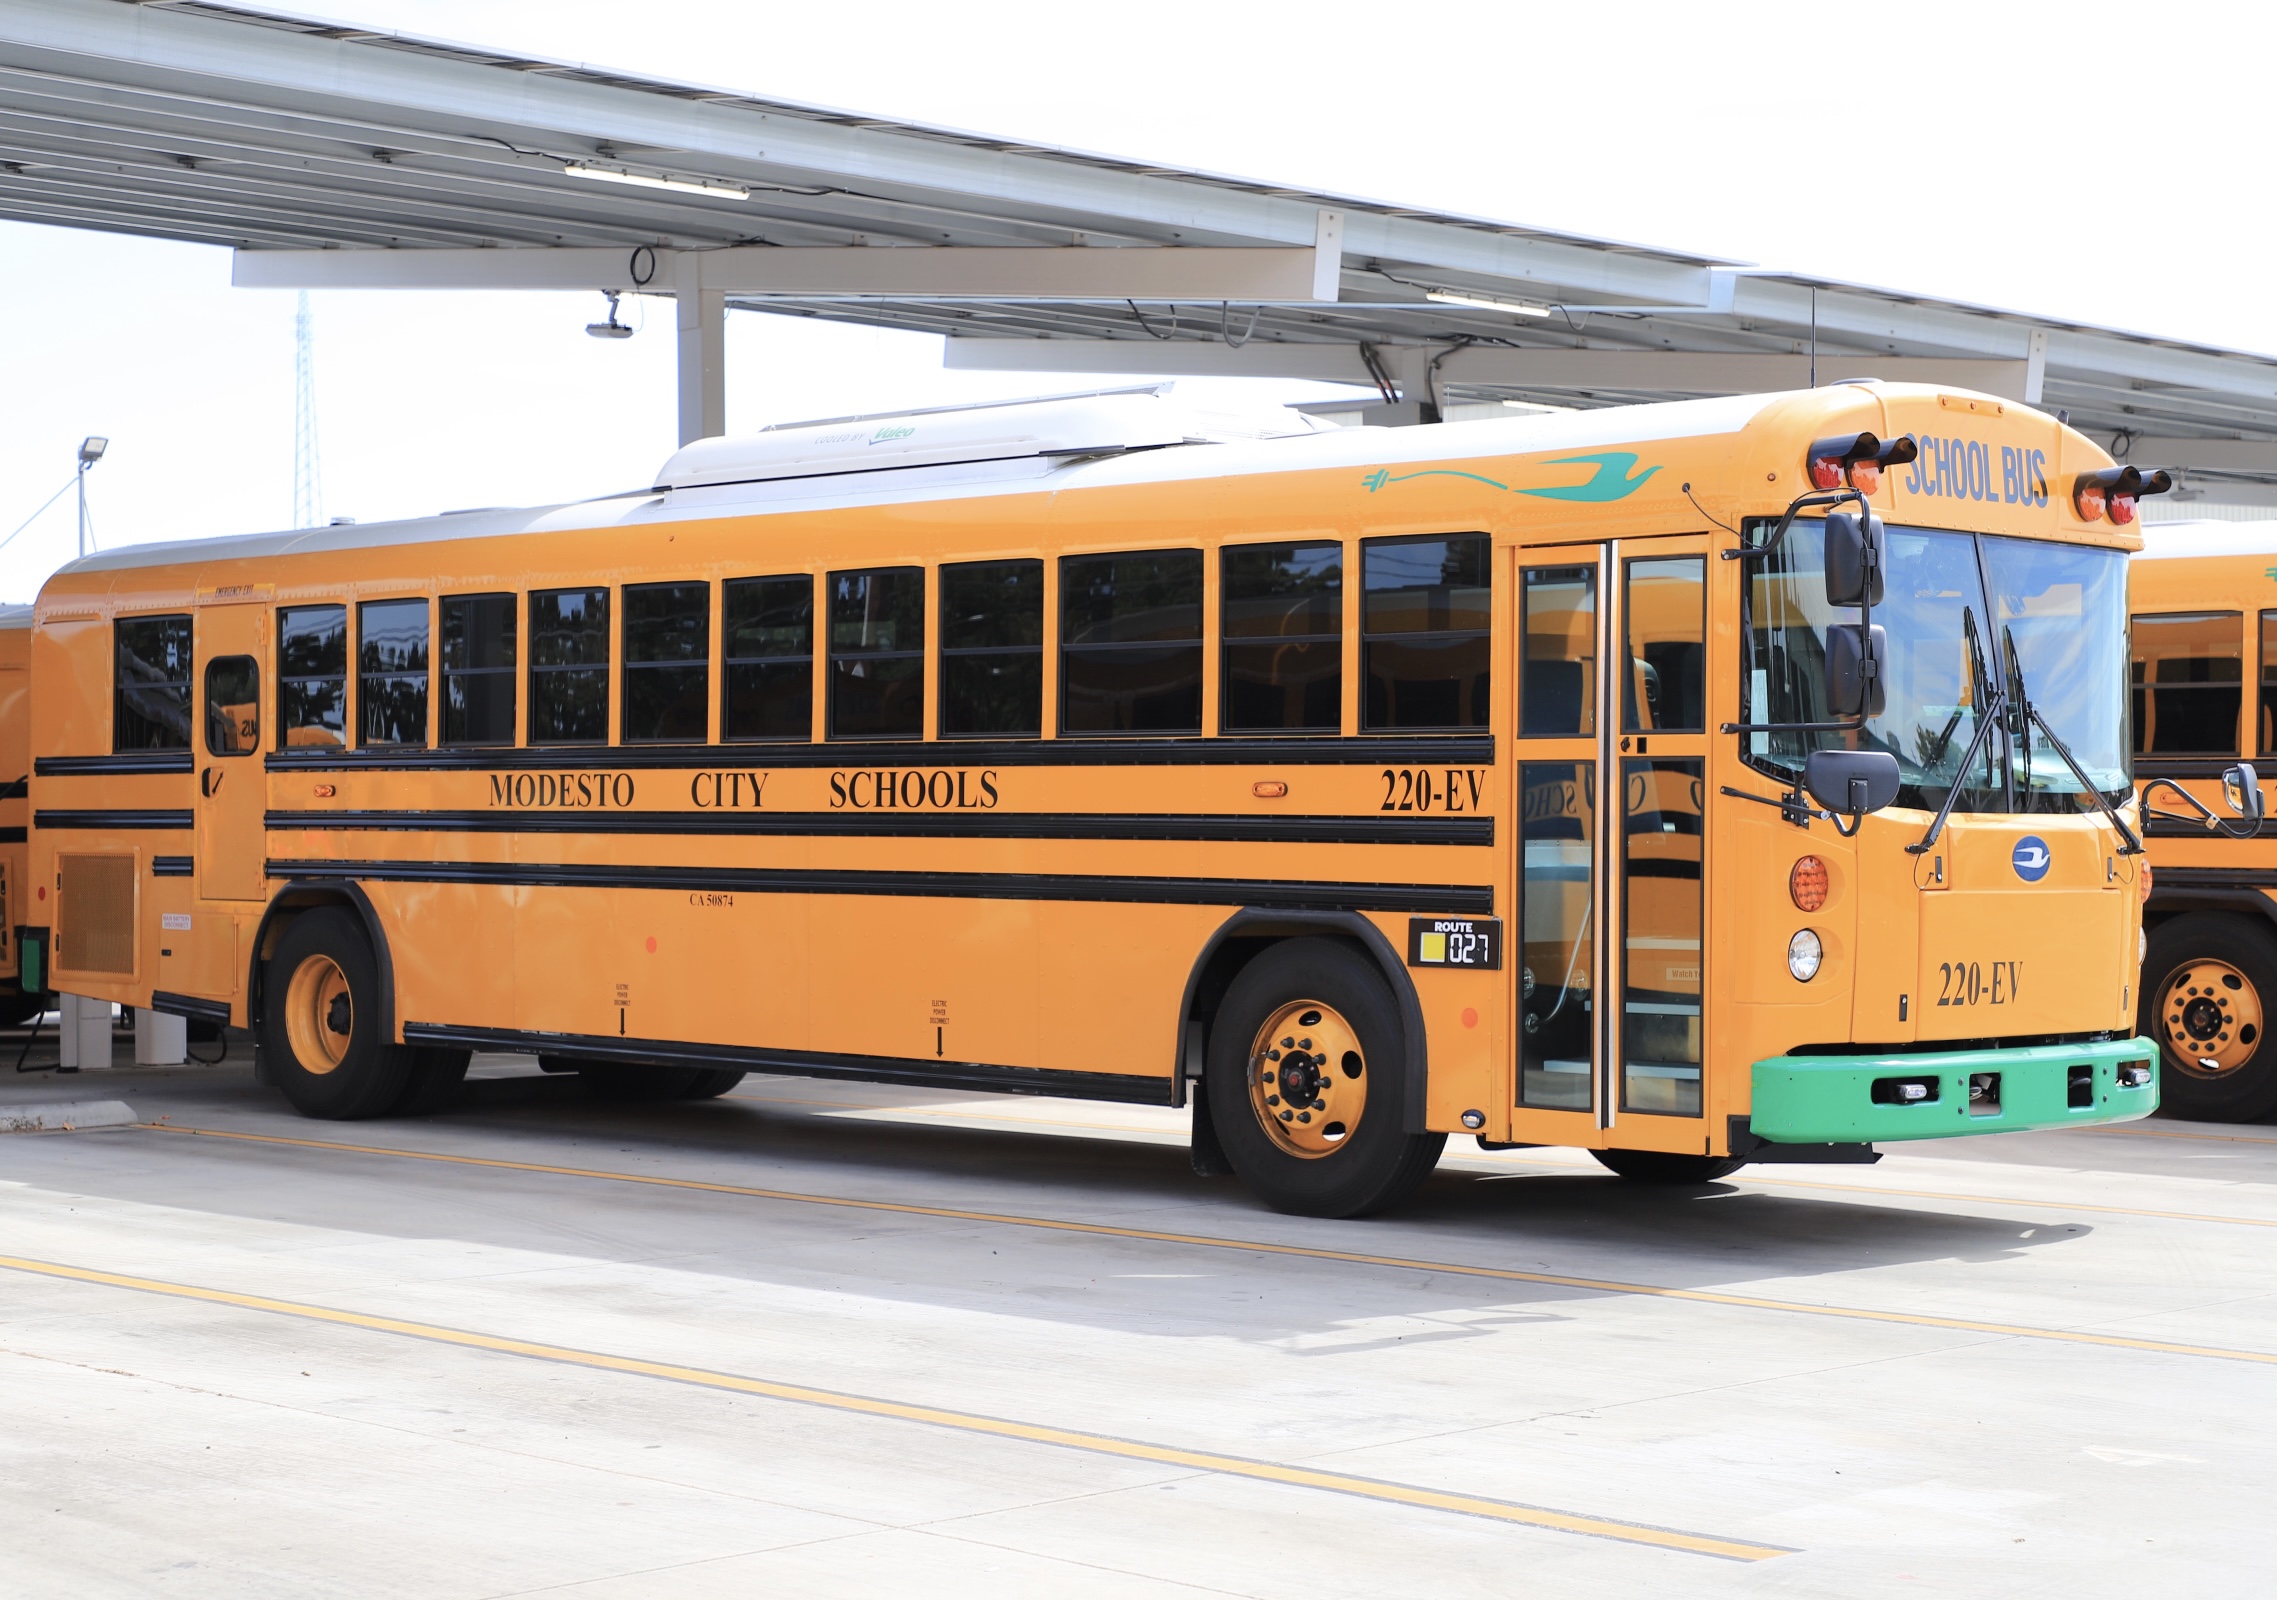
x,y
2242,789
1854,551
1851,781
1854,658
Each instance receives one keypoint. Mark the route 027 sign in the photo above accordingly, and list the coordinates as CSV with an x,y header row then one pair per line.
x,y
1471,942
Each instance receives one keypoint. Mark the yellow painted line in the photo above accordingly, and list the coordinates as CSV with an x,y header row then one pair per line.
x,y
936,1416
1206,1241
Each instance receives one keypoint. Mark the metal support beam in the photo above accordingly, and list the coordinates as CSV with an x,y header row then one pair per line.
x,y
703,354
2204,455
919,272
1675,372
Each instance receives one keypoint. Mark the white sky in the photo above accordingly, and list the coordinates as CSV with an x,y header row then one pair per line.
x,y
2099,162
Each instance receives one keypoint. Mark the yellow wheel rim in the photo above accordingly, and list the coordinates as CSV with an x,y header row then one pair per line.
x,y
320,1015
1308,1079
2210,1018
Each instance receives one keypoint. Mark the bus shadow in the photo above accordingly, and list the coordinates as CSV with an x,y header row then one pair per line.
x,y
1445,1247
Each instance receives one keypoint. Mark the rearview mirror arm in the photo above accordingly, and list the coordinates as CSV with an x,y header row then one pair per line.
x,y
1828,497
2232,830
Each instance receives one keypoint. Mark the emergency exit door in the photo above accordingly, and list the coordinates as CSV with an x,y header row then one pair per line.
x,y
1612,746
232,790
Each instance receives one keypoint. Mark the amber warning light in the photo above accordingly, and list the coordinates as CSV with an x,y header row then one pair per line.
x,y
1855,460
1806,885
2113,492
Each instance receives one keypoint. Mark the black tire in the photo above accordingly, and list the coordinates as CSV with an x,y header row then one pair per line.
x,y
1666,1167
433,1082
2236,999
1377,1163
330,1059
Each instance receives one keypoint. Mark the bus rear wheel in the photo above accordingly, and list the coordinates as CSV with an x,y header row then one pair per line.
x,y
1306,1077
2209,996
321,1024
1667,1167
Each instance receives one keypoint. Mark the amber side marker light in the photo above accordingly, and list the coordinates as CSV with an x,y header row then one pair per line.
x,y
1806,884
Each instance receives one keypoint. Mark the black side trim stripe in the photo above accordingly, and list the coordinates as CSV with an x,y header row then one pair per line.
x,y
1473,750
2213,877
112,819
21,789
1423,899
190,1005
1234,829
173,866
124,761
1129,1090
14,835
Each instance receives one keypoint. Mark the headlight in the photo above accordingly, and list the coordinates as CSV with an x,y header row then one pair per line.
x,y
2142,948
1803,955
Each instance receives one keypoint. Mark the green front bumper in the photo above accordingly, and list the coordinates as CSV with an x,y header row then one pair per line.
x,y
1833,1099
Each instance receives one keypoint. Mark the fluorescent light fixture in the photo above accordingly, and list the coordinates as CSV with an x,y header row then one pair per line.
x,y
725,191
1484,302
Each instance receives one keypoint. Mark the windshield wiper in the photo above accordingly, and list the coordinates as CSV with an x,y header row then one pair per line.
x,y
1991,707
2022,715
2029,713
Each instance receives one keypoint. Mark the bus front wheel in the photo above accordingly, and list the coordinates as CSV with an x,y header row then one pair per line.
x,y
1306,1078
321,1024
2209,996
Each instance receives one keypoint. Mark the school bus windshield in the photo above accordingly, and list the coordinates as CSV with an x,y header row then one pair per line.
x,y
2052,632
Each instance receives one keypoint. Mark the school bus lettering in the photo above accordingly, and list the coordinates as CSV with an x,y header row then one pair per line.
x,y
728,791
1961,469
891,789
554,791
1433,788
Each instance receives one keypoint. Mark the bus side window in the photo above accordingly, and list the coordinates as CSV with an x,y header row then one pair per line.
x,y
2189,688
992,649
1666,613
478,669
1557,677
2269,682
668,662
233,705
1426,617
1281,614
391,672
877,654
150,692
1130,657
768,660
312,676
569,666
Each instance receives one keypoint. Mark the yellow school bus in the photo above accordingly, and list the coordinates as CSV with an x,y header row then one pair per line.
x,y
16,1005
1674,782
2203,647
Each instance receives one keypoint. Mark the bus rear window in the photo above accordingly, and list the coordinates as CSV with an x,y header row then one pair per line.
x,y
1281,611
1425,646
312,676
391,672
1131,642
768,628
668,662
992,649
150,694
478,669
569,666
877,654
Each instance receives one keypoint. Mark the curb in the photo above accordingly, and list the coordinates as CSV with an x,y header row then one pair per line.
x,y
65,1116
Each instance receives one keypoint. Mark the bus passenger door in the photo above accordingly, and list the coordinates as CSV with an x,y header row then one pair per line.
x,y
1612,747
232,789
1656,702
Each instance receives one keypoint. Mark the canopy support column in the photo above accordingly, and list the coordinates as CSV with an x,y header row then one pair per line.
x,y
703,352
